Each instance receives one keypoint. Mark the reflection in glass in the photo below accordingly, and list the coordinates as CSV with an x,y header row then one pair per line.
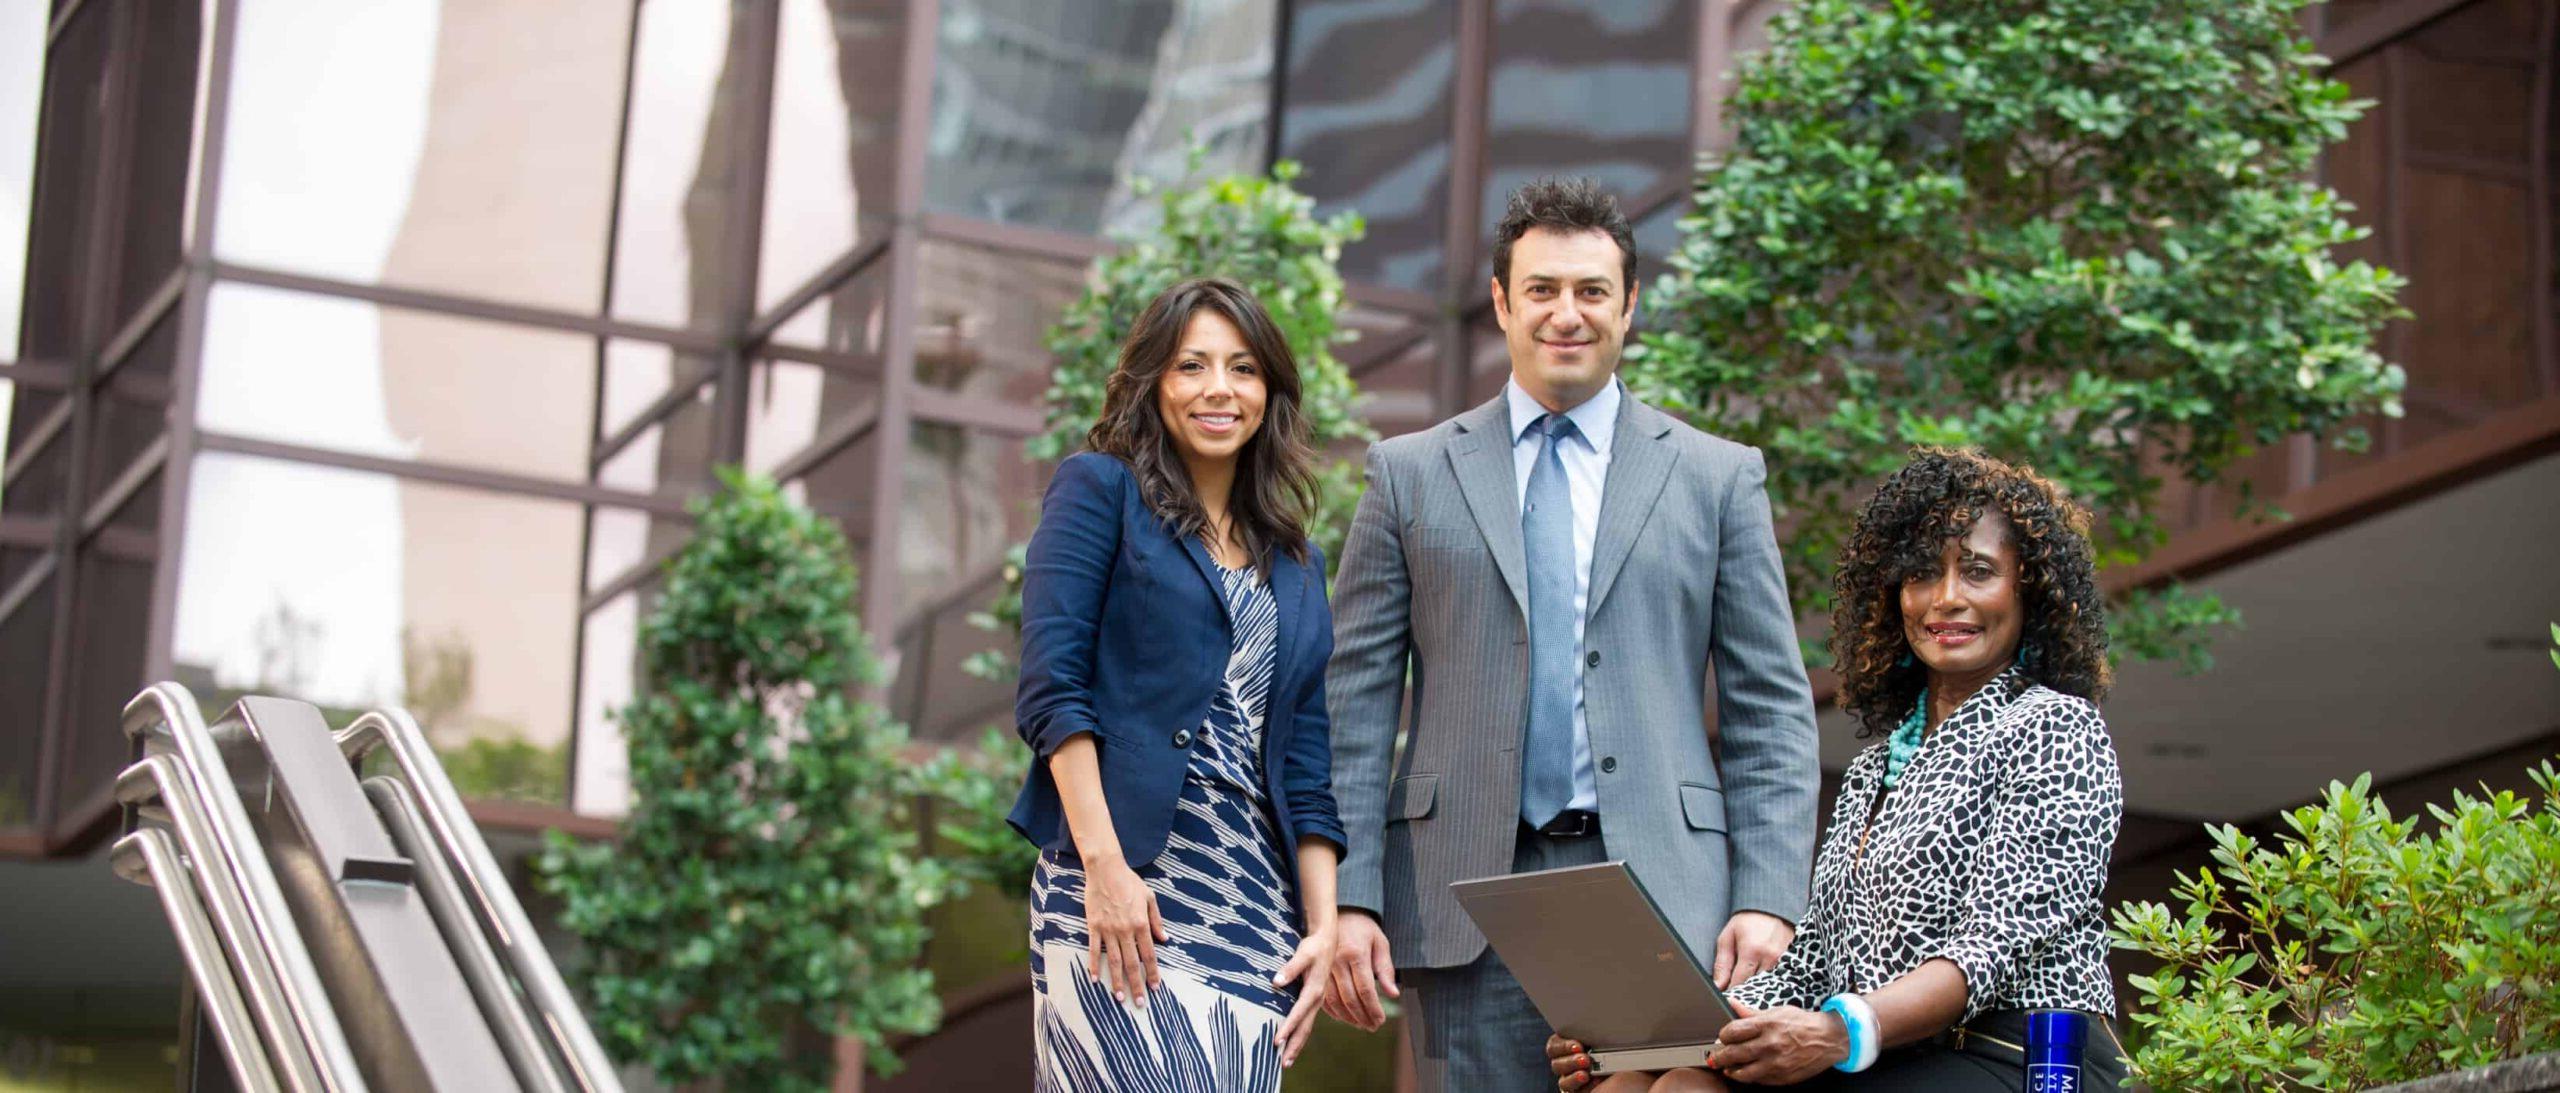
x,y
353,590
22,31
360,377
671,456
849,320
1367,112
26,644
790,404
57,252
108,640
152,198
1587,87
680,168
832,160
131,409
840,488
983,316
465,146
621,539
608,671
1043,108
967,497
636,373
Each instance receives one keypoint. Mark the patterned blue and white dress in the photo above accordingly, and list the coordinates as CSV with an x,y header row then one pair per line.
x,y
1229,912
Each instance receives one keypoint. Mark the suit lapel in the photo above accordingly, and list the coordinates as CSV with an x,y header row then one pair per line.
x,y
1639,465
1208,568
1480,453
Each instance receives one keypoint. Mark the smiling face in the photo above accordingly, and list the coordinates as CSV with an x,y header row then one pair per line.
x,y
1565,315
1211,397
1964,621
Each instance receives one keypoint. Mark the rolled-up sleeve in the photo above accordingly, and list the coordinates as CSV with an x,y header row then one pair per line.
x,y
1066,574
2055,813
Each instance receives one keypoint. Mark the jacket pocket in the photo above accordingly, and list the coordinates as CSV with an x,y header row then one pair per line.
x,y
1412,797
1702,806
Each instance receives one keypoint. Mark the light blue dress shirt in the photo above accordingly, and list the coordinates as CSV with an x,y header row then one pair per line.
x,y
1586,470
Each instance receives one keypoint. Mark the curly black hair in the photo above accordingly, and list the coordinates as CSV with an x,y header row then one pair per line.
x,y
1902,533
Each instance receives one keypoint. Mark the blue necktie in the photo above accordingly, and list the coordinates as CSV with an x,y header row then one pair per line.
x,y
1546,531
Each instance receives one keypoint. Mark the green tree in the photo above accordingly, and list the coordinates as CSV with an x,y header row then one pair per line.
x,y
2079,234
766,892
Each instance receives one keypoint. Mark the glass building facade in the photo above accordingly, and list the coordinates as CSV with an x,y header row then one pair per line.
x,y
371,352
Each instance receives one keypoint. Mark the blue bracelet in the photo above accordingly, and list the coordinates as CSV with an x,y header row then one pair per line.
x,y
1864,1035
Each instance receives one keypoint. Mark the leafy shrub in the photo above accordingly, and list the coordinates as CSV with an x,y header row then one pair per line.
x,y
766,893
2354,951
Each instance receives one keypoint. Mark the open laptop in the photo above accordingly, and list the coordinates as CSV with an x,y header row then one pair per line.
x,y
1602,964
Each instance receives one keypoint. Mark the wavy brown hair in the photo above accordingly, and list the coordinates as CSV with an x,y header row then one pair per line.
x,y
1275,486
1902,533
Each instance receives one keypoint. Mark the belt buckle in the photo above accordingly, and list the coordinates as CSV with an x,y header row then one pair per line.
x,y
1572,823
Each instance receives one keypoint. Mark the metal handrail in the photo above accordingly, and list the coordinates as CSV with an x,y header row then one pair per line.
x,y
482,885
525,1046
146,857
283,985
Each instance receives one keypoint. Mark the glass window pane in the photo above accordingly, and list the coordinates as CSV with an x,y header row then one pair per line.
x,y
1042,109
936,697
791,404
37,490
132,408
465,146
679,168
984,315
154,201
26,647
671,456
1367,112
840,488
966,497
65,188
355,590
850,319
608,678
832,160
637,373
1587,87
110,626
22,31
620,539
360,377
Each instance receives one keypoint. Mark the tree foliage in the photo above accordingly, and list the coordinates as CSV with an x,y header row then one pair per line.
x,y
766,892
2354,952
2082,235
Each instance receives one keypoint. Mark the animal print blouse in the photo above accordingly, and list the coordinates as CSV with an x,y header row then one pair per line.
x,y
1989,851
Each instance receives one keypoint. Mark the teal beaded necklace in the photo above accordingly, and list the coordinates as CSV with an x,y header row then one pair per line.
x,y
1905,741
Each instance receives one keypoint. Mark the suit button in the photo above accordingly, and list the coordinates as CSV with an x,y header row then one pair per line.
x,y
1182,738
1608,764
1593,660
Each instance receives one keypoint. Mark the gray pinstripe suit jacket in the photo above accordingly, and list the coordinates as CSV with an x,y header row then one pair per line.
x,y
1685,573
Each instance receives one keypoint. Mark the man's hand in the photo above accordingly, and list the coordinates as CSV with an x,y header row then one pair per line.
x,y
1750,943
1361,967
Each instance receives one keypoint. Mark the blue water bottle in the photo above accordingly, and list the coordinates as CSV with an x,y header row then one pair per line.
x,y
2054,1042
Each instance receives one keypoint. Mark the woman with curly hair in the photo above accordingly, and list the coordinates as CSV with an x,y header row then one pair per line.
x,y
1958,885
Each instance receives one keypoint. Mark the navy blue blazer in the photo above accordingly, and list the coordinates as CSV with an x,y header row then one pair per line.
x,y
1125,635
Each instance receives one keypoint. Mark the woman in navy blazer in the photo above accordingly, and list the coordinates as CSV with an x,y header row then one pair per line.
x,y
1174,640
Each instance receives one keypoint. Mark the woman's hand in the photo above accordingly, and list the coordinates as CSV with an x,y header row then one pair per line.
x,y
1571,1063
1306,967
1782,1046
1120,917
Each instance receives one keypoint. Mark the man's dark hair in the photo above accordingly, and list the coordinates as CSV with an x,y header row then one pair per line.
x,y
1563,205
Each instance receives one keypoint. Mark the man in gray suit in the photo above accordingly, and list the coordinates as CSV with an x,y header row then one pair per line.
x,y
1550,576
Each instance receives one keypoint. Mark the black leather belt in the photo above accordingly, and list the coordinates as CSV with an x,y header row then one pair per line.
x,y
1572,823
